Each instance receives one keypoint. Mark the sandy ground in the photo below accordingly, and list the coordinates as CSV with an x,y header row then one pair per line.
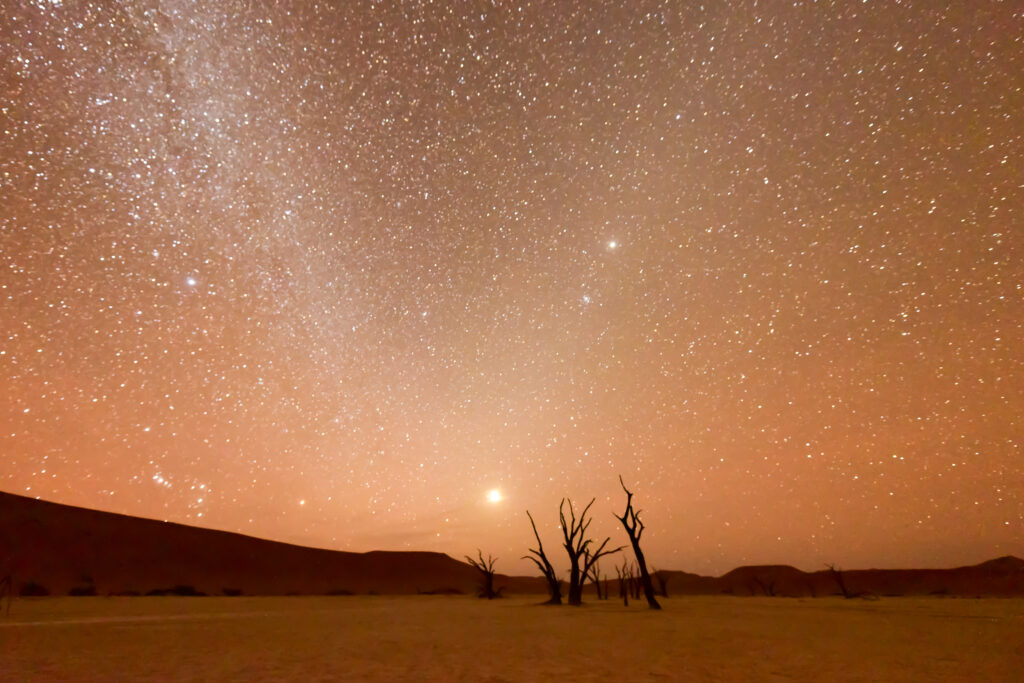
x,y
445,638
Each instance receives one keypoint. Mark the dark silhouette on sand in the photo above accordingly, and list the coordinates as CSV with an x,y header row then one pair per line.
x,y
595,577
625,576
662,579
634,529
486,569
577,546
540,558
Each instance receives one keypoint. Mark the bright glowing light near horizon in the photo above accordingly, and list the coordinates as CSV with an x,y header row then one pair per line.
x,y
613,244
494,496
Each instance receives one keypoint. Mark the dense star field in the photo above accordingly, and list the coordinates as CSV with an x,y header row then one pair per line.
x,y
330,273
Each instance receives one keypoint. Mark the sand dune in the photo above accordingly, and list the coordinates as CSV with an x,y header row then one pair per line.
x,y
1000,577
61,549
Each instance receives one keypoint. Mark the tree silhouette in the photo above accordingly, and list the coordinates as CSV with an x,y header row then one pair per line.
x,y
635,528
539,558
577,545
625,575
595,578
486,569
767,587
662,578
837,574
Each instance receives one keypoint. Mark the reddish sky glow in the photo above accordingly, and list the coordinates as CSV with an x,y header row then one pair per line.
x,y
332,273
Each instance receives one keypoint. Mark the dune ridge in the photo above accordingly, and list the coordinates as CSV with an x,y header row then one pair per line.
x,y
60,549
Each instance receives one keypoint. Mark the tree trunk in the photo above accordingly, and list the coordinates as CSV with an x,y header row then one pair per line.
x,y
539,558
634,528
555,588
575,586
645,577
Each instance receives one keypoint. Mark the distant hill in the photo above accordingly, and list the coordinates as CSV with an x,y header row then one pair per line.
x,y
60,549
1003,576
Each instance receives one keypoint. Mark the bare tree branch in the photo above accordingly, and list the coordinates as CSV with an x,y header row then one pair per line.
x,y
541,560
577,546
634,528
486,569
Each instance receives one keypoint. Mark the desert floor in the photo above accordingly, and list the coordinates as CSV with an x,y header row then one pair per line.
x,y
457,638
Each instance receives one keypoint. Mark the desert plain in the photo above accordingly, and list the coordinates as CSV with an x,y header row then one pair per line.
x,y
461,638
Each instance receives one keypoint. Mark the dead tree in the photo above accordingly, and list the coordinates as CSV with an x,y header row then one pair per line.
x,y
837,574
486,569
767,586
577,545
541,560
595,578
635,528
625,575
662,578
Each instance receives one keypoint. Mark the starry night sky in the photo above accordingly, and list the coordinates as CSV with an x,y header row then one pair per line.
x,y
331,272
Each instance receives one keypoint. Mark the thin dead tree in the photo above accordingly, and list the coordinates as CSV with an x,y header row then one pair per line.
x,y
625,575
486,569
662,578
767,586
635,528
577,546
539,558
595,578
837,574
